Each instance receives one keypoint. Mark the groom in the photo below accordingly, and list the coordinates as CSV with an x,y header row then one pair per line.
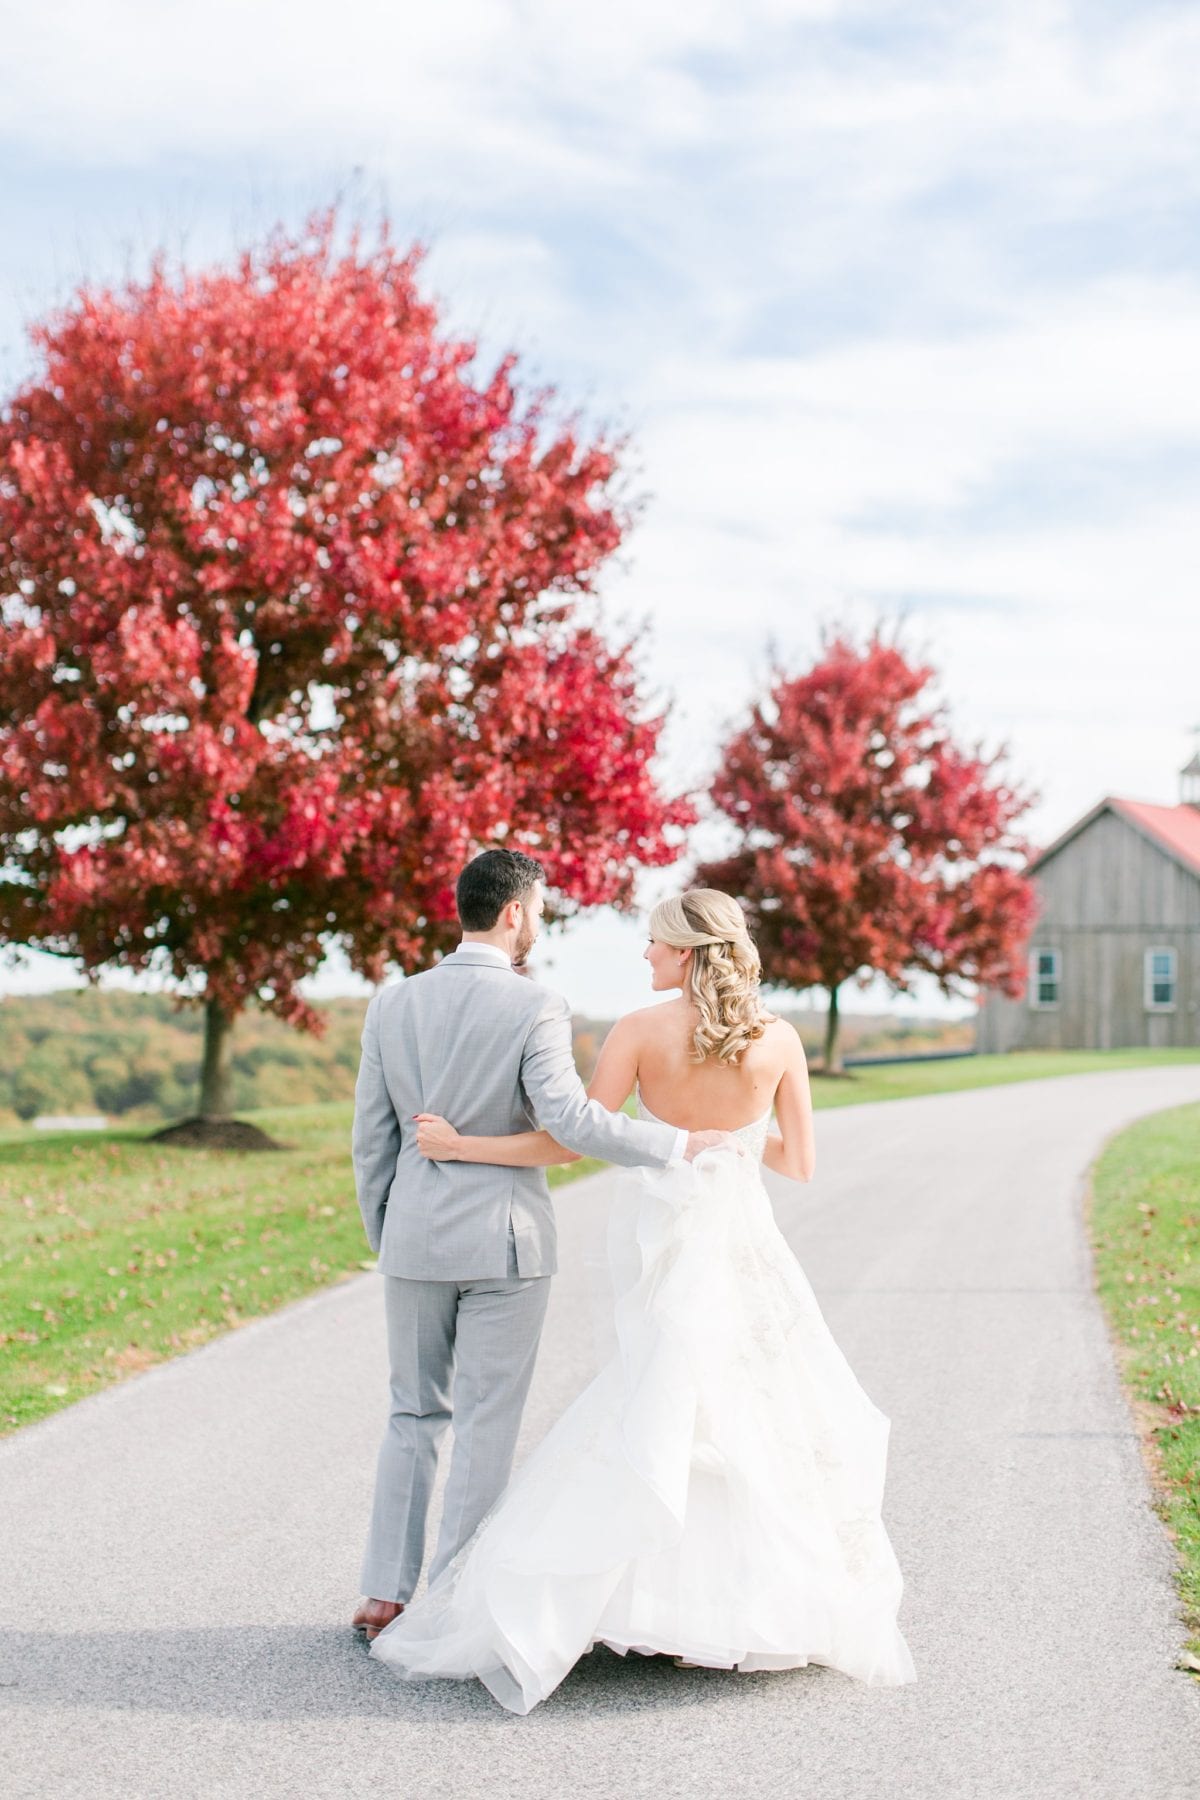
x,y
466,1249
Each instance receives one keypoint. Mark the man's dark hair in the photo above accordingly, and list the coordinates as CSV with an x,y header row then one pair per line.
x,y
489,882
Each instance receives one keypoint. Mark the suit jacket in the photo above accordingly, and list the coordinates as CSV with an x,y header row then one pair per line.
x,y
490,1050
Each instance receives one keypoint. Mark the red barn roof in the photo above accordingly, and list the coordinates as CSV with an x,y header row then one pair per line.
x,y
1175,829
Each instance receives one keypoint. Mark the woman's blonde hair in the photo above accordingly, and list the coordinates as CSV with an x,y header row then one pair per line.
x,y
724,973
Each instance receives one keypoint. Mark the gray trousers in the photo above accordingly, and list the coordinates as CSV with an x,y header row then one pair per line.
x,y
457,1348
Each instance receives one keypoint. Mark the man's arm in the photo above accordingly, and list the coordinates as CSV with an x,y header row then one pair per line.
x,y
561,1106
375,1142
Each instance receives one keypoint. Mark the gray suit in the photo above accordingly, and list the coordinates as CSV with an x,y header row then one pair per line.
x,y
465,1247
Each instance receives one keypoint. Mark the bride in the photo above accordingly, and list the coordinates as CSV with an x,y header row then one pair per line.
x,y
714,1494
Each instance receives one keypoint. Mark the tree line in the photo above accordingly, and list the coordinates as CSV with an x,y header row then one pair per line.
x,y
135,1058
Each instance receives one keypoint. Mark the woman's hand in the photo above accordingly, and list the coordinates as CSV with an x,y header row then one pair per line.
x,y
437,1139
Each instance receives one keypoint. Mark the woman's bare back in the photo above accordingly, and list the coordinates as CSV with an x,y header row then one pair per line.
x,y
711,1095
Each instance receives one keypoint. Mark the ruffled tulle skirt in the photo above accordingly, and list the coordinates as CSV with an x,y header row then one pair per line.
x,y
714,1494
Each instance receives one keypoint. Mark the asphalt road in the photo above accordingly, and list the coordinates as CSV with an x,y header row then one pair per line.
x,y
178,1556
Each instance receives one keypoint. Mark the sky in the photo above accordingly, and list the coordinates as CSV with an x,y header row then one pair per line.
x,y
898,304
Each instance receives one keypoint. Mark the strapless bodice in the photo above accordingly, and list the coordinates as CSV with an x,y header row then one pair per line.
x,y
754,1135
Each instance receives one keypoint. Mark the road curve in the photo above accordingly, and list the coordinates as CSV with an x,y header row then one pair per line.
x,y
178,1555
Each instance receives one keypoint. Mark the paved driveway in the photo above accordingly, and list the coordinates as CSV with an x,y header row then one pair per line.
x,y
178,1556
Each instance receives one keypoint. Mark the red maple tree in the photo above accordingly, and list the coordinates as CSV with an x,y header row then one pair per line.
x,y
868,842
290,625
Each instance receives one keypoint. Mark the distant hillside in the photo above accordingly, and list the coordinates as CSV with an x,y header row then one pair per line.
x,y
883,1034
134,1057
862,1034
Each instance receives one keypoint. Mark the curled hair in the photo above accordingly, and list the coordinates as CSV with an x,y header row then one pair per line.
x,y
724,973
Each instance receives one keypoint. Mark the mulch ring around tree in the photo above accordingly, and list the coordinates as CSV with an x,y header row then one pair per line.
x,y
216,1134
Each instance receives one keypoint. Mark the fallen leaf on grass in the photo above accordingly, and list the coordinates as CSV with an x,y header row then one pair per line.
x,y
1189,1662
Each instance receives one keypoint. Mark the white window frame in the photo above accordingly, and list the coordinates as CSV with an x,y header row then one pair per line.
x,y
1148,981
1036,1003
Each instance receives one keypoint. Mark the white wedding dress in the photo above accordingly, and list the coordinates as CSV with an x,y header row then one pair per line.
x,y
714,1494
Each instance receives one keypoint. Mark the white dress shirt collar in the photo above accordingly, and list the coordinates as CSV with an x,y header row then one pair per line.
x,y
491,952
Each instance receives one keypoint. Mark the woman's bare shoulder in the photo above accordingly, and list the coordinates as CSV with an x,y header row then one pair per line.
x,y
781,1035
645,1020
776,1025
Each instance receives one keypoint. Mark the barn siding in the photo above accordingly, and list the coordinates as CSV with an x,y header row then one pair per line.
x,y
1105,897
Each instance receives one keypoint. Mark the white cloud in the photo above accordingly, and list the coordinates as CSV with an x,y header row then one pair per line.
x,y
1076,637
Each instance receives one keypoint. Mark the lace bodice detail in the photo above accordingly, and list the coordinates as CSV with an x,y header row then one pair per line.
x,y
754,1135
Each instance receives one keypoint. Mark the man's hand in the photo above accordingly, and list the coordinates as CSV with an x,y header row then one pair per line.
x,y
707,1140
436,1139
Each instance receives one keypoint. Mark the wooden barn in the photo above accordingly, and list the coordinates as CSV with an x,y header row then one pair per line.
x,y
1114,959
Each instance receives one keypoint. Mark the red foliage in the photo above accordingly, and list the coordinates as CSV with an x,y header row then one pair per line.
x,y
868,840
290,628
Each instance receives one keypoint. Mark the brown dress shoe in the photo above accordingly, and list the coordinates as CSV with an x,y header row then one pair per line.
x,y
373,1615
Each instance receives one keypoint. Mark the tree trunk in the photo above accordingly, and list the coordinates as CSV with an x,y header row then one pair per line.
x,y
214,1075
833,1048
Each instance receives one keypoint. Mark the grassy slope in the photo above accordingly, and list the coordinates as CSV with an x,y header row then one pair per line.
x,y
116,1253
896,1081
1146,1230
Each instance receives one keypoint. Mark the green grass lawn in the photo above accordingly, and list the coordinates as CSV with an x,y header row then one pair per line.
x,y
116,1253
1146,1229
897,1081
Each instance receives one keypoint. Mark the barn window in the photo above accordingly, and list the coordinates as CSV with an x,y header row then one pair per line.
x,y
1159,980
1045,974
